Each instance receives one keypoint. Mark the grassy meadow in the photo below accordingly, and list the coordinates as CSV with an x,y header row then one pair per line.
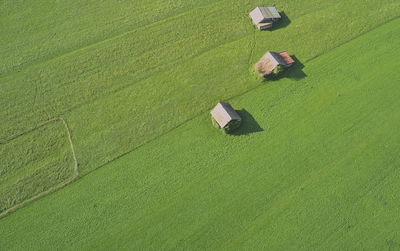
x,y
122,74
314,166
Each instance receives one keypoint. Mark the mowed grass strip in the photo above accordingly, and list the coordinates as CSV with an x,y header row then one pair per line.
x,y
314,166
33,163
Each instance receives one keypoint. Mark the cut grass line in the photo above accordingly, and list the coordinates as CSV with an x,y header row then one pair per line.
x,y
5,140
38,196
101,41
359,35
252,47
321,54
54,188
149,141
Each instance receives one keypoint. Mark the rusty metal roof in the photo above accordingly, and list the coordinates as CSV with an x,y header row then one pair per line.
x,y
286,58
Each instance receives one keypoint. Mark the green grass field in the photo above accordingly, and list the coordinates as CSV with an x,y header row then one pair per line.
x,y
314,166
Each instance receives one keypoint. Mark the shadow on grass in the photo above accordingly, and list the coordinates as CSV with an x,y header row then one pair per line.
x,y
282,23
293,72
248,124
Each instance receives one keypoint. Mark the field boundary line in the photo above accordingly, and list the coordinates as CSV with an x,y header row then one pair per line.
x,y
321,54
76,170
354,38
31,129
52,189
252,46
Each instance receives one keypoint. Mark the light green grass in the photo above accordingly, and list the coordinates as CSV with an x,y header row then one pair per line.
x,y
322,174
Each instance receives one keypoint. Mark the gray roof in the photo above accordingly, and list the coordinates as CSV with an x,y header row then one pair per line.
x,y
278,58
224,113
262,14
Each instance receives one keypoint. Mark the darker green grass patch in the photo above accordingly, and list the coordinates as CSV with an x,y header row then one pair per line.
x,y
33,163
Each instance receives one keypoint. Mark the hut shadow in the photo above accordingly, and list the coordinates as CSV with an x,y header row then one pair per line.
x,y
248,124
296,70
293,72
282,23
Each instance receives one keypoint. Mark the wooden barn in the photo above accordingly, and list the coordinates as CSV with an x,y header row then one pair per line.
x,y
272,60
225,116
264,17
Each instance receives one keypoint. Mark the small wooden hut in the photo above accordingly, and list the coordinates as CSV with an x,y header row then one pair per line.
x,y
264,17
225,117
271,60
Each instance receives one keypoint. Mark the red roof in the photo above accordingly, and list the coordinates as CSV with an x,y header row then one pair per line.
x,y
285,56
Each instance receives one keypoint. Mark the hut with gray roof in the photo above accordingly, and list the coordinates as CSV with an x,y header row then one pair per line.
x,y
225,117
264,17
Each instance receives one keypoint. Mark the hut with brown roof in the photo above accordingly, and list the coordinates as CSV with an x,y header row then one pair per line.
x,y
271,60
225,117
